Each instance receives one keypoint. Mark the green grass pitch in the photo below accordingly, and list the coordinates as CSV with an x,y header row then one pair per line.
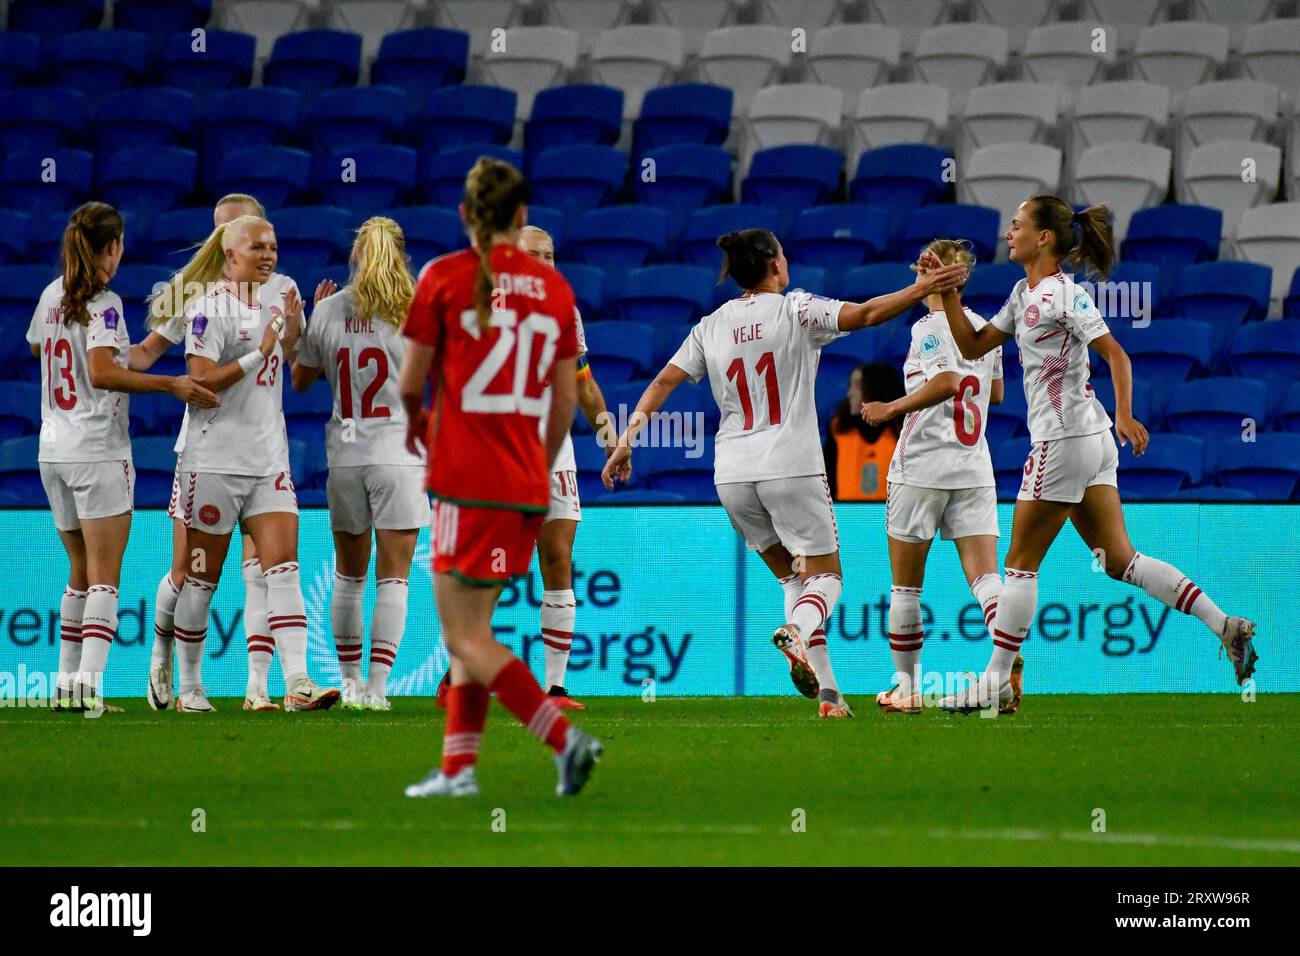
x,y
1187,780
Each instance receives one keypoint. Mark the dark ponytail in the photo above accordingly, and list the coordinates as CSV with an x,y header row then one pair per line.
x,y
1094,250
90,230
746,255
494,191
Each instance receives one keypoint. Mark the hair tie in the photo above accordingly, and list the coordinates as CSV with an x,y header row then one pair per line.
x,y
1077,218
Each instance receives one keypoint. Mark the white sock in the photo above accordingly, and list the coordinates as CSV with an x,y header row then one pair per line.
x,y
345,621
792,589
164,620
256,630
288,619
906,637
386,626
987,588
1016,608
72,608
1172,588
820,594
191,626
559,612
98,629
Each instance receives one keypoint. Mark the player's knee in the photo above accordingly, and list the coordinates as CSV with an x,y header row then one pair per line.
x,y
554,562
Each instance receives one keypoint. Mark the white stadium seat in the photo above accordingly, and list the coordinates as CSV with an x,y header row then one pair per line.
x,y
1181,55
809,15
478,18
267,20
1216,175
960,56
1227,110
910,17
533,59
372,19
695,18
1128,17
1125,111
587,18
1236,15
745,58
797,113
1293,174
1271,235
853,57
637,58
1017,16
1010,113
1271,52
898,113
1006,175
1126,176
1069,56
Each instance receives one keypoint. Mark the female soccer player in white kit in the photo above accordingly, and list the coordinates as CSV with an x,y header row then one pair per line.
x,y
940,477
1071,468
355,338
760,352
236,461
78,332
168,329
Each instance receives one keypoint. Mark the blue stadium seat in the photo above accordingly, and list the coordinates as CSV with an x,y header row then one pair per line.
x,y
622,350
466,115
553,222
1133,293
240,119
149,179
1215,407
1269,352
840,236
1173,236
1144,408
683,113
312,61
695,399
357,116
20,474
1009,418
578,178
813,279
159,117
666,294
175,234
430,231
989,287
274,174
580,114
590,459
687,177
155,465
1225,294
97,62
1289,414
1171,462
1291,304
879,278
828,391
310,408
1212,493
161,17
792,178
45,238
588,285
619,238
20,408
50,18
22,185
725,291
40,118
1009,466
442,173
310,237
979,224
224,62
841,357
699,242
1164,353
634,496
20,57
13,239
135,283
670,469
384,176
901,178
1268,467
421,60
669,339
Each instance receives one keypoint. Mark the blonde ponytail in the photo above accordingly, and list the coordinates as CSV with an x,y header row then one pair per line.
x,y
381,277
207,265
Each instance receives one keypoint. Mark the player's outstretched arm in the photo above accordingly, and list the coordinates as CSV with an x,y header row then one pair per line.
x,y
107,374
144,354
619,465
997,391
862,315
206,372
416,362
1127,428
970,341
591,400
938,390
304,376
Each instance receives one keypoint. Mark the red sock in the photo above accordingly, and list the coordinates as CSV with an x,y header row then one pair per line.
x,y
467,709
519,693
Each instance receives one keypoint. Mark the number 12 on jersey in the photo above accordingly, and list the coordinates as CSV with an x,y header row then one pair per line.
x,y
766,367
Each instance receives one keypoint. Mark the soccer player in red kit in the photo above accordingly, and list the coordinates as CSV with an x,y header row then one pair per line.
x,y
490,328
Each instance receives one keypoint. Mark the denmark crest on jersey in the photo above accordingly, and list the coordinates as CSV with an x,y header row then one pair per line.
x,y
1031,316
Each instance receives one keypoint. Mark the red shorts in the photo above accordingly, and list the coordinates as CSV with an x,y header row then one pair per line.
x,y
484,546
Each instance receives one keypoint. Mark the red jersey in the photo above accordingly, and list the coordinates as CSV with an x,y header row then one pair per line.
x,y
484,444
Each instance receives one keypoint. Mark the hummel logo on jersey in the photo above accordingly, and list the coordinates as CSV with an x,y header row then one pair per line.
x,y
103,909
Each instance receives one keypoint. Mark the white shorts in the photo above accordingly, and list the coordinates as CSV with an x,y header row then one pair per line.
x,y
1061,469
390,497
796,512
914,514
564,497
84,490
213,503
174,505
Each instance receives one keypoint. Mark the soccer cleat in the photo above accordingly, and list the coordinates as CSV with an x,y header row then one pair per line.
x,y
375,702
68,701
444,685
884,696
160,686
977,695
462,784
354,694
1239,641
306,694
260,701
832,704
892,702
561,699
194,702
788,642
97,705
575,762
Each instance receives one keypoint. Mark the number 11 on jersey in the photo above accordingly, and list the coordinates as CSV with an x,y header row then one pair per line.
x,y
766,367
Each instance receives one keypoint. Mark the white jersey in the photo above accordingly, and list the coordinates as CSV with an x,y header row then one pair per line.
x,y
245,434
1053,322
174,331
564,458
944,446
78,421
361,358
760,353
